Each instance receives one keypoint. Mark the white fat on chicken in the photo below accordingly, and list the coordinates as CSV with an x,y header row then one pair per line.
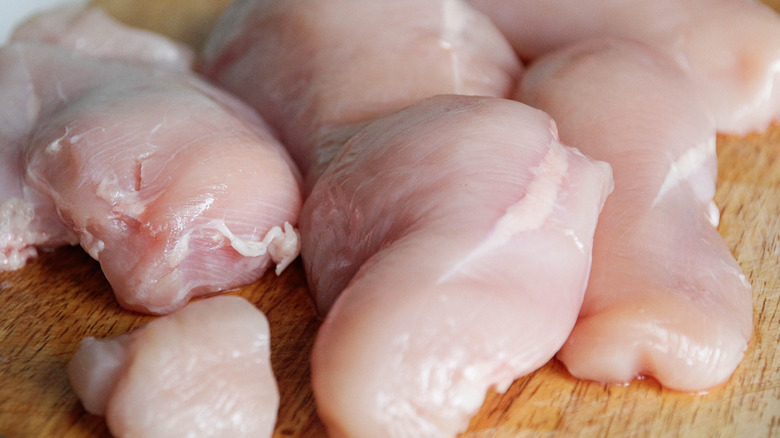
x,y
666,297
314,69
162,178
730,48
202,371
452,240
282,244
21,231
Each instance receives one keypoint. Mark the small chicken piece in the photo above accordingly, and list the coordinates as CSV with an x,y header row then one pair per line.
x,y
176,188
455,239
202,371
730,48
315,69
666,297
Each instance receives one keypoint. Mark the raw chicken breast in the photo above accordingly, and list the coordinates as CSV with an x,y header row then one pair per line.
x,y
27,219
461,229
203,371
176,188
666,297
730,48
90,31
315,69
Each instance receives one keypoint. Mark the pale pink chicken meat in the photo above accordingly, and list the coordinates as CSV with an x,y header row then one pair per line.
x,y
176,188
730,48
90,31
316,70
202,371
460,232
666,297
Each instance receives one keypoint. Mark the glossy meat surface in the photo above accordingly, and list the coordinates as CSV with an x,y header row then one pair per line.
x,y
730,48
666,297
459,230
315,68
201,371
176,188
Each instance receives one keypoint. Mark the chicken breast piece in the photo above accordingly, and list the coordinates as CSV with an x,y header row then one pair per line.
x,y
666,297
202,371
91,31
28,219
315,69
730,48
176,188
459,230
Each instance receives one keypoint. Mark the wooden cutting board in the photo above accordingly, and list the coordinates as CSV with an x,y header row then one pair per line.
x,y
55,301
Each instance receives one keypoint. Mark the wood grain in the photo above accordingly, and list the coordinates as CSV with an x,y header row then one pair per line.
x,y
55,301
